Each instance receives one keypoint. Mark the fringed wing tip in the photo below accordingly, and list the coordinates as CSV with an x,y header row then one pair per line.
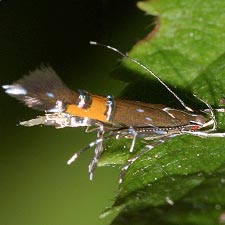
x,y
40,89
14,89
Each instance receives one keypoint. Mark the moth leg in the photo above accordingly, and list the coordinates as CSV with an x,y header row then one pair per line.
x,y
98,149
97,154
132,160
138,155
134,133
40,120
89,130
77,154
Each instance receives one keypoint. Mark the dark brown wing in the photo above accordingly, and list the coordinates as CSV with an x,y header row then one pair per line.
x,y
138,114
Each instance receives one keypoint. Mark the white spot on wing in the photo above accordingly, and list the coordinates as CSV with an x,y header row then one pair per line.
x,y
140,110
50,95
14,89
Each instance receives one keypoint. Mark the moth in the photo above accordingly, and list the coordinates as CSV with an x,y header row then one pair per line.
x,y
43,90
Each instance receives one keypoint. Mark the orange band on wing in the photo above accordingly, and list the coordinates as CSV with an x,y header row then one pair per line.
x,y
96,111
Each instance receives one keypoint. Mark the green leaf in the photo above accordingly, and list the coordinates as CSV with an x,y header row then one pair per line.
x,y
181,181
188,36
202,204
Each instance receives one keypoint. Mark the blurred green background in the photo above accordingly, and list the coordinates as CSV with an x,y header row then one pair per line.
x,y
37,187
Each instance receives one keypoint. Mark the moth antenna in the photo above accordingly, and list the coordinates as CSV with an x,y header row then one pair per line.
x,y
212,115
145,68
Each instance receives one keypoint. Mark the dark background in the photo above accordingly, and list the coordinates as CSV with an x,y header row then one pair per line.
x,y
37,187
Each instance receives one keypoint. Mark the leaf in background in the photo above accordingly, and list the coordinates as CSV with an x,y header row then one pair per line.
x,y
181,181
188,36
